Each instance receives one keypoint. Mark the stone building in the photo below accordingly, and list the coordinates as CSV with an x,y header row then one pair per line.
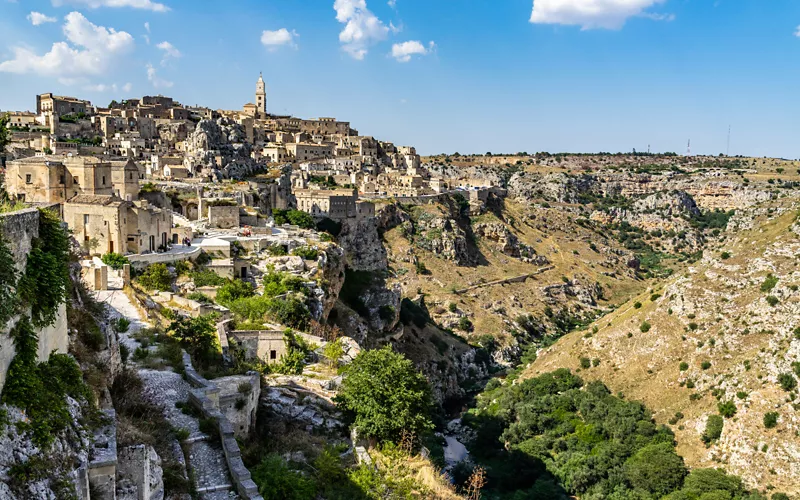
x,y
98,222
56,179
60,105
335,203
303,151
125,179
261,98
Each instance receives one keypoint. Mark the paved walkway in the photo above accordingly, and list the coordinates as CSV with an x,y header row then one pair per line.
x,y
165,388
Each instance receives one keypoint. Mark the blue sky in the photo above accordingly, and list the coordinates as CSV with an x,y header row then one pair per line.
x,y
443,75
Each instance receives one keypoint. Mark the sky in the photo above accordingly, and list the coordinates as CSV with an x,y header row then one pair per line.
x,y
466,76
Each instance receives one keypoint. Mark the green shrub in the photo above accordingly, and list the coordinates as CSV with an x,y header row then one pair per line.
x,y
276,481
713,430
586,363
294,217
121,324
114,260
769,283
705,365
644,327
727,409
383,394
200,297
464,324
234,290
787,381
8,282
683,366
277,250
204,277
725,256
637,305
772,300
771,420
307,253
156,277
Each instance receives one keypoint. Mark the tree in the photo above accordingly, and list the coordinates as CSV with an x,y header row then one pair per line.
x,y
727,409
787,381
234,290
770,419
5,135
701,482
114,260
713,430
156,277
383,394
656,469
197,335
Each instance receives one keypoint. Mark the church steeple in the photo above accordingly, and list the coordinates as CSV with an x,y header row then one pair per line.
x,y
261,97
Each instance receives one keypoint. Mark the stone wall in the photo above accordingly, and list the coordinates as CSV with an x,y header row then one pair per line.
x,y
238,401
19,230
223,217
205,397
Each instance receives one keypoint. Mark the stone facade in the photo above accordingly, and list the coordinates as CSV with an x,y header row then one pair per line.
x,y
223,217
19,230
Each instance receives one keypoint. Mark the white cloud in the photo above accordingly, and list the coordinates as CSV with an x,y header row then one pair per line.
x,y
392,3
37,18
95,4
362,28
797,32
89,50
127,87
153,78
278,38
589,14
147,27
169,52
403,51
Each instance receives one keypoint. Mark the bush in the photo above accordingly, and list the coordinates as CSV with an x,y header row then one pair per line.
x,y
276,481
383,394
727,409
204,277
713,430
156,277
772,300
705,365
586,363
114,260
200,297
234,290
198,336
294,217
725,256
769,283
683,366
787,381
637,305
307,253
121,325
770,420
644,327
464,324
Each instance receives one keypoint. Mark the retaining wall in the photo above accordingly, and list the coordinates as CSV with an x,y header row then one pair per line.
x,y
205,397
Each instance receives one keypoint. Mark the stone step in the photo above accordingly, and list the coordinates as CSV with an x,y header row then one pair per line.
x,y
212,489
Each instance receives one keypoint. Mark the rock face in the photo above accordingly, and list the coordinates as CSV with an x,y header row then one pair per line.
x,y
295,404
68,451
362,244
507,242
331,264
557,187
672,203
225,139
443,237
139,474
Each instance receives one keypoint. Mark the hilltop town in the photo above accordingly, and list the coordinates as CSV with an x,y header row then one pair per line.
x,y
222,281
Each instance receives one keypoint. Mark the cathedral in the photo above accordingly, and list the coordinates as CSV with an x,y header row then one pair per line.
x,y
259,109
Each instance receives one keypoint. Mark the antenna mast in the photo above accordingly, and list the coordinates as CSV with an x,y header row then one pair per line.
x,y
689,148
728,150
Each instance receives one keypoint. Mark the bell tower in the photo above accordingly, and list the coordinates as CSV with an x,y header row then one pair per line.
x,y
261,98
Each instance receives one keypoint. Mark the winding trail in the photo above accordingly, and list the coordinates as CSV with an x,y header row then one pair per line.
x,y
204,457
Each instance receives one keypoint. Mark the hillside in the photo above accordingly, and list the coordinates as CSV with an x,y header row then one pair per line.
x,y
723,331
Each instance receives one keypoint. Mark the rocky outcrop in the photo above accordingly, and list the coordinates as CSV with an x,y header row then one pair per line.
x,y
507,242
558,187
225,139
293,403
331,266
362,244
60,470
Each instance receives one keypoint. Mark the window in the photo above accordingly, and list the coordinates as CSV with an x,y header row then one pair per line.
x,y
27,178
61,179
85,220
273,354
104,180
